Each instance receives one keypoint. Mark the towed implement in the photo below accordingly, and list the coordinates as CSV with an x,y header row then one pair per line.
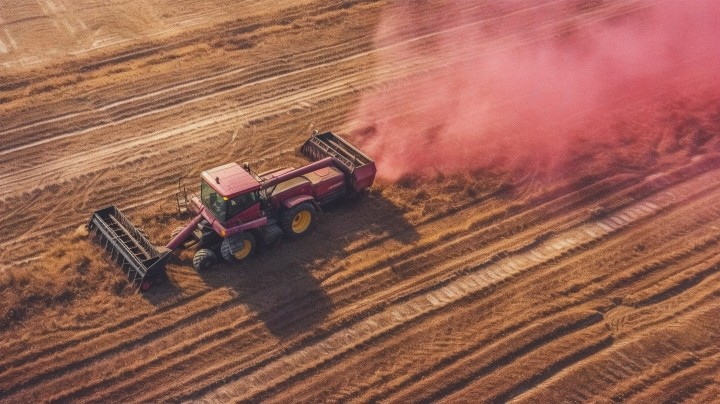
x,y
239,210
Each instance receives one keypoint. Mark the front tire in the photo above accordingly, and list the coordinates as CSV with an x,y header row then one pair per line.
x,y
204,259
238,248
298,221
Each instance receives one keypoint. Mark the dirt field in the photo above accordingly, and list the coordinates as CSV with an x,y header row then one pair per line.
x,y
591,277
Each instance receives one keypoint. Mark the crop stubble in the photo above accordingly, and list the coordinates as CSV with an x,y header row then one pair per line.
x,y
480,289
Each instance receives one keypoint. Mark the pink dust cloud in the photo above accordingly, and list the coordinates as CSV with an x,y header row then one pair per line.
x,y
514,86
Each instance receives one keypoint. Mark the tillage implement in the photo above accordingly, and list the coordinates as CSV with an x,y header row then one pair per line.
x,y
238,210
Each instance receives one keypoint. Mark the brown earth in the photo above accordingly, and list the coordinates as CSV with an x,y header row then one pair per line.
x,y
598,283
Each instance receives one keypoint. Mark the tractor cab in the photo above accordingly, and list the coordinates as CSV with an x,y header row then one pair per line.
x,y
230,193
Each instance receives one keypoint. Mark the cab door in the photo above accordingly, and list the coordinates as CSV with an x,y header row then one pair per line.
x,y
243,208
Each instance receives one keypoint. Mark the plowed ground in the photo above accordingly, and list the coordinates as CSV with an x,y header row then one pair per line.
x,y
601,283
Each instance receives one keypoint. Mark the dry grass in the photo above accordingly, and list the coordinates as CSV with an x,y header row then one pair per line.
x,y
70,271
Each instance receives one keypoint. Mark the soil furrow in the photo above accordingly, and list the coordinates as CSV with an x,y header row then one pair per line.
x,y
392,317
514,264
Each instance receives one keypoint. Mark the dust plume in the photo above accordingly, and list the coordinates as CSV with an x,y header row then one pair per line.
x,y
513,84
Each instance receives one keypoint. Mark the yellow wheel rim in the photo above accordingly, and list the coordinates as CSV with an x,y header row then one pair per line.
x,y
244,251
301,221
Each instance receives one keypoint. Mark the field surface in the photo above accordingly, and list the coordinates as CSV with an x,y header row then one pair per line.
x,y
596,281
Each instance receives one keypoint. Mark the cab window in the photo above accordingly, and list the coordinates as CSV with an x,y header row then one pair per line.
x,y
240,203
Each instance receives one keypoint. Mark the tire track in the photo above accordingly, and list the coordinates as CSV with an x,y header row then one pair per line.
x,y
274,373
73,164
469,244
104,331
236,300
186,134
690,170
482,358
662,352
219,336
409,376
349,315
231,88
134,143
174,314
708,393
548,360
644,355
650,373
674,285
424,376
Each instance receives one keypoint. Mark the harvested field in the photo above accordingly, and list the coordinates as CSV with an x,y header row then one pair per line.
x,y
569,254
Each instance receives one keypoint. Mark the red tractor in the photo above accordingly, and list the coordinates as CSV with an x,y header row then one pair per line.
x,y
239,210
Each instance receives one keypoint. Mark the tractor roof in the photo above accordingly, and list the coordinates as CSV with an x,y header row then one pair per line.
x,y
230,180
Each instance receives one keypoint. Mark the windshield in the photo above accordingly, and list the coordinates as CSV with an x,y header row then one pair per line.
x,y
215,203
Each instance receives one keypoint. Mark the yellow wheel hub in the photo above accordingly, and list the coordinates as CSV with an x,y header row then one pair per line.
x,y
244,251
301,221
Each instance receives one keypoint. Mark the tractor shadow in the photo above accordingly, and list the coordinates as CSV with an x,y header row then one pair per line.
x,y
161,294
282,283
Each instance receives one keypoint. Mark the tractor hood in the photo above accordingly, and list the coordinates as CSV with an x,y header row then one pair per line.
x,y
230,180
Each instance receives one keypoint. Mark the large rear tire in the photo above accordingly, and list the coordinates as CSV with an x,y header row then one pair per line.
x,y
238,248
204,259
298,221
